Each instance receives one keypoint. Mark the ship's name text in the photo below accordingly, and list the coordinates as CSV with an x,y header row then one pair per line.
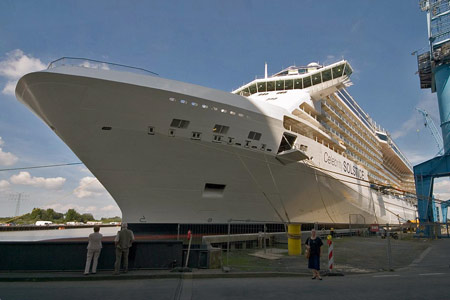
x,y
345,166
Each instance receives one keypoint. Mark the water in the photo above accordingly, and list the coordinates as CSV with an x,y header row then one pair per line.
x,y
41,235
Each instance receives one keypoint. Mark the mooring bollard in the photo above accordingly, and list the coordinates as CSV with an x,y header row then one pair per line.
x,y
330,253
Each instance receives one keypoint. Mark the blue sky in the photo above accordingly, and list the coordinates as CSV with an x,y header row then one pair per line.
x,y
218,44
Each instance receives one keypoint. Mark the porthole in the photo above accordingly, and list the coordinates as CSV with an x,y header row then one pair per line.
x,y
223,110
183,101
232,113
171,99
172,132
151,130
204,106
194,104
230,140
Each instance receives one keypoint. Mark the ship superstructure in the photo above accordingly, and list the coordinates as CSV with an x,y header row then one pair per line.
x,y
295,147
351,131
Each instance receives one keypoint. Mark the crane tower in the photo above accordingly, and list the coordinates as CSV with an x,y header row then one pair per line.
x,y
434,74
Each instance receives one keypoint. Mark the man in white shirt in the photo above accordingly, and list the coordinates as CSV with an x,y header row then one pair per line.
x,y
93,250
123,241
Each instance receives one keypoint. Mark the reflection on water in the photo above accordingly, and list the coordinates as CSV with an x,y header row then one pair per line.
x,y
40,235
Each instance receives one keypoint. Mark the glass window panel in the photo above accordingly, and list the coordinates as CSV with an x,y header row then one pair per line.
x,y
298,83
348,70
326,75
316,79
280,85
337,71
289,84
262,87
306,82
271,86
252,88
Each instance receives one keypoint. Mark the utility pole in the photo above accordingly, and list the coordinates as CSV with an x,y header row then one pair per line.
x,y
17,197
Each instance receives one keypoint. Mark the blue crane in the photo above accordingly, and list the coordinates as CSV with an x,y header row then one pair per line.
x,y
429,123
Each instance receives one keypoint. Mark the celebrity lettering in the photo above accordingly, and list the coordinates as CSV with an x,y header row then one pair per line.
x,y
345,166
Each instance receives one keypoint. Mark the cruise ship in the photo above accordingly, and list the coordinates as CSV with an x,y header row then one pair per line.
x,y
291,147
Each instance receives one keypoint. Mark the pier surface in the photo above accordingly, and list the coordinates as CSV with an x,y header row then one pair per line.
x,y
426,277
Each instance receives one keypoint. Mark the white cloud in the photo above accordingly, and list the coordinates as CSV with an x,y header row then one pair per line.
x,y
89,186
442,189
15,66
6,158
110,208
4,185
24,178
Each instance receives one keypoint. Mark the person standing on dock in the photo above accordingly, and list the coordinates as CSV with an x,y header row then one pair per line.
x,y
313,246
93,250
123,241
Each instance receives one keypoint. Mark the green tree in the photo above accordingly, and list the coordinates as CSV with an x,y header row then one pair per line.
x,y
72,216
87,217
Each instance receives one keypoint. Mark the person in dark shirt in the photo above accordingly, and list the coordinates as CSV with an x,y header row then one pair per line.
x,y
313,245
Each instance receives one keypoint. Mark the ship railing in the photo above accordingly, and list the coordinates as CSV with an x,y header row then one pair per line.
x,y
97,64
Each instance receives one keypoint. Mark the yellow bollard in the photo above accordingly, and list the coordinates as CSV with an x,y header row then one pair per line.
x,y
294,239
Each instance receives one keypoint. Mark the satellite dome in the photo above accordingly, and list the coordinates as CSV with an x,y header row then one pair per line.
x,y
313,65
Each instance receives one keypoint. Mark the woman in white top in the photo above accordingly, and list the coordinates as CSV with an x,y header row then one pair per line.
x,y
93,250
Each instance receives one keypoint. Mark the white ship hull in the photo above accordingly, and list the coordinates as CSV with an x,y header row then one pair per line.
x,y
161,177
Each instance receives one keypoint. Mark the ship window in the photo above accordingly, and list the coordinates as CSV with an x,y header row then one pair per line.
x,y
222,129
172,99
252,88
337,71
326,75
289,84
213,190
262,87
177,123
232,113
316,79
194,104
196,135
247,143
254,135
183,101
230,140
171,132
298,83
306,82
204,106
280,85
151,130
263,147
271,86
106,128
217,138
223,110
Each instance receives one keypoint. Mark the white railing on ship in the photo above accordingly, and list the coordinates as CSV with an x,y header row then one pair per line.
x,y
97,64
